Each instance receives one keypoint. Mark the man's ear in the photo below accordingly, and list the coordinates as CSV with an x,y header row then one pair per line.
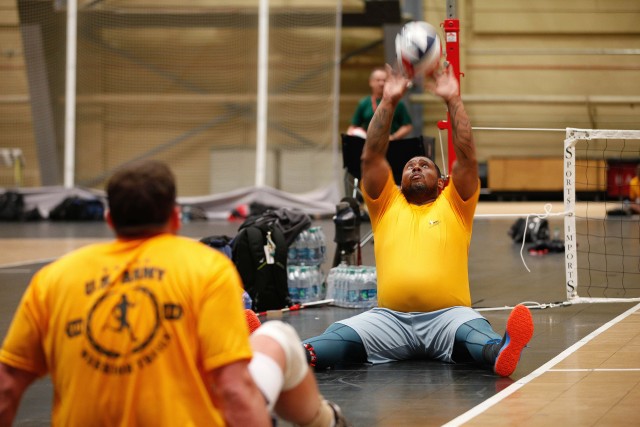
x,y
175,222
107,217
440,184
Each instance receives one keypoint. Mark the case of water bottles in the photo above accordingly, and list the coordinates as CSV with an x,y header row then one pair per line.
x,y
305,257
353,286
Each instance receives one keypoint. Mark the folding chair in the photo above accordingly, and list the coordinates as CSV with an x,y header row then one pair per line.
x,y
398,154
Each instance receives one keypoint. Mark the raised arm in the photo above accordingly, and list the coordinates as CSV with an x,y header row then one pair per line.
x,y
465,170
374,165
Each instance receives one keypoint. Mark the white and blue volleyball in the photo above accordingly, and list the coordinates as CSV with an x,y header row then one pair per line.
x,y
418,49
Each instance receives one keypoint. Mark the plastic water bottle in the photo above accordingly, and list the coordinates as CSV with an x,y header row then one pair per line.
x,y
309,258
371,286
331,286
335,271
296,252
309,248
358,285
340,282
304,287
322,245
246,300
186,214
314,283
292,253
352,293
292,283
302,248
344,286
339,285
303,284
322,284
315,255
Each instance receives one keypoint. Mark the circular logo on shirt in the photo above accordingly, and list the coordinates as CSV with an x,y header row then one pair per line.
x,y
123,321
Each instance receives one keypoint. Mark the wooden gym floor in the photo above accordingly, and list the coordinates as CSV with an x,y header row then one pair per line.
x,y
582,367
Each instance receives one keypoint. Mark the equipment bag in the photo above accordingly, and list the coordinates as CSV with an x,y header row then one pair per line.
x,y
537,230
220,242
291,221
11,206
75,208
259,252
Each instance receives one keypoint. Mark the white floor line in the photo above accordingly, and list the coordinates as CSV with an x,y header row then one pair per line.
x,y
597,370
33,261
479,409
14,270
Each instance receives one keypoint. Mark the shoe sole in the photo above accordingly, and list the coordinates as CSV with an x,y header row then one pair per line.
x,y
519,332
252,320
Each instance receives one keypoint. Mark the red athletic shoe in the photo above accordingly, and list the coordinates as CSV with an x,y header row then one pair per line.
x,y
252,320
518,333
312,357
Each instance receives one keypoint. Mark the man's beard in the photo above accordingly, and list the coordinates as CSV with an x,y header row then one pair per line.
x,y
415,189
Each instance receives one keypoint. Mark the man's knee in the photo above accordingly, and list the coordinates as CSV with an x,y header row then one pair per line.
x,y
296,367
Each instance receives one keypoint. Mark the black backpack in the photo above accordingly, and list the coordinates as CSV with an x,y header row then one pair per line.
x,y
259,252
537,230
11,206
75,208
220,242
291,221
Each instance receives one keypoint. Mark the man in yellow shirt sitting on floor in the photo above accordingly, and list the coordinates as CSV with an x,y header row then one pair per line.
x,y
422,235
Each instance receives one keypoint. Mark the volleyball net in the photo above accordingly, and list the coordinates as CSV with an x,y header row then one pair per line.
x,y
602,238
209,86
601,231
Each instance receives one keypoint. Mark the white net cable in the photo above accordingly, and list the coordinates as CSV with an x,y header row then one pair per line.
x,y
445,170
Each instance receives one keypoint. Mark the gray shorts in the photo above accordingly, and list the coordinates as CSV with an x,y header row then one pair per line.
x,y
392,335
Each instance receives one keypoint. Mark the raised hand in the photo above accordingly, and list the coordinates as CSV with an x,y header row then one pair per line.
x,y
443,83
395,86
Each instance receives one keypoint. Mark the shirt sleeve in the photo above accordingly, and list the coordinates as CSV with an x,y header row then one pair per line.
x,y
465,210
378,206
359,116
222,327
403,116
23,346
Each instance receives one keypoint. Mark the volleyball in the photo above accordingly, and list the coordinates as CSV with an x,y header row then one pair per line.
x,y
418,49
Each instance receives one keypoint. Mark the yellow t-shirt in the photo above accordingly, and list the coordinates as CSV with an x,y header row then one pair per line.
x,y
634,189
127,330
422,251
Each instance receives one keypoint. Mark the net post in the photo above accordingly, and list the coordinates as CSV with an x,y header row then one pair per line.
x,y
70,95
569,197
262,98
452,38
